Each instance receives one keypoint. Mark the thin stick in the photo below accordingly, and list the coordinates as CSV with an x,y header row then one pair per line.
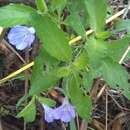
x,y
26,84
77,121
121,107
115,16
84,125
74,40
70,42
106,110
13,50
127,10
124,55
63,125
24,125
26,72
101,91
1,30
16,72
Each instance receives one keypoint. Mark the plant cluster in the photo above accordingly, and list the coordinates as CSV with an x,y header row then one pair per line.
x,y
95,56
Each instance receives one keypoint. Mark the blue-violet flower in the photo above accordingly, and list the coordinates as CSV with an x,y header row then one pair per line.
x,y
65,112
48,113
21,36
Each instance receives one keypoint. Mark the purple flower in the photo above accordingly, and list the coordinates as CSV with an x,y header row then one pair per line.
x,y
48,113
65,112
21,36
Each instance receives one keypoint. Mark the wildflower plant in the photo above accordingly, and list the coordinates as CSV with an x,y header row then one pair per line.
x,y
95,56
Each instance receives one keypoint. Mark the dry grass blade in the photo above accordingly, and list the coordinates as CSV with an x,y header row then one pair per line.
x,y
16,72
119,120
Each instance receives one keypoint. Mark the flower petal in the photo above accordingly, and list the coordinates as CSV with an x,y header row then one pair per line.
x,y
58,113
48,113
15,37
71,111
65,112
66,118
21,46
21,36
29,39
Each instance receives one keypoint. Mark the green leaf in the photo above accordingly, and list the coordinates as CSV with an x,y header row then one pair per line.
x,y
58,5
88,80
63,71
42,81
115,75
48,59
41,5
89,76
37,68
14,14
123,25
47,101
22,99
103,35
78,7
116,48
81,101
81,62
53,39
97,10
75,22
97,51
29,112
